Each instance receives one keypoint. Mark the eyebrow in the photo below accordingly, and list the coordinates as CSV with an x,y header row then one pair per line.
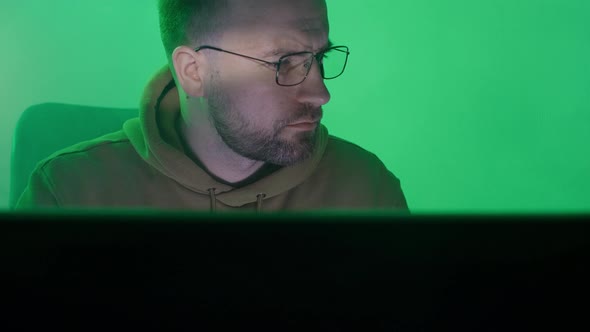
x,y
282,50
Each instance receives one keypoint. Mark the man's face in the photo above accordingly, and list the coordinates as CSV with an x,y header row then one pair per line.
x,y
253,115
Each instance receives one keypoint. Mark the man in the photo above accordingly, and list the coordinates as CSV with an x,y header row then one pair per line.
x,y
248,78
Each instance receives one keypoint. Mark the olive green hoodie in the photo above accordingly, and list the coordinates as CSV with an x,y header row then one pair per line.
x,y
144,166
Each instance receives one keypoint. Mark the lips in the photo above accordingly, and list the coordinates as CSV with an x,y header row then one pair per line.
x,y
306,126
309,119
304,123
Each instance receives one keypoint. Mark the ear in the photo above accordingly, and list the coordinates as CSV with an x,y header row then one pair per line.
x,y
189,69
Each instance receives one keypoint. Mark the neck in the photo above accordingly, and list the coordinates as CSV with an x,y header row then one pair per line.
x,y
203,141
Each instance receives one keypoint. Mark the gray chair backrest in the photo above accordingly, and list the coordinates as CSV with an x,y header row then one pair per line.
x,y
45,128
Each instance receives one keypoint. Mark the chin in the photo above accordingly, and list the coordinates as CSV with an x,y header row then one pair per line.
x,y
294,151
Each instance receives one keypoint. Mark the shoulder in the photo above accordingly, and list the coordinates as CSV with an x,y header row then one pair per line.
x,y
346,160
95,154
76,172
339,150
351,176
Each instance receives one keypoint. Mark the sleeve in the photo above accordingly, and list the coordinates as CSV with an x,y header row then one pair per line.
x,y
39,192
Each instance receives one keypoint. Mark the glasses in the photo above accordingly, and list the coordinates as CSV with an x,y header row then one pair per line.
x,y
292,69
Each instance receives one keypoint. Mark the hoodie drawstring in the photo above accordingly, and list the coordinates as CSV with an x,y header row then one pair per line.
x,y
213,204
213,200
260,197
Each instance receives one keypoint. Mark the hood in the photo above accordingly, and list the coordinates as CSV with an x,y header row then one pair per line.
x,y
155,139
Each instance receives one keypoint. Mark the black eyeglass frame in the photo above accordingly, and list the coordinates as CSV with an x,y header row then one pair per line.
x,y
317,56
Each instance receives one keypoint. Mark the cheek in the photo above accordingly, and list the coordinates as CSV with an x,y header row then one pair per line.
x,y
263,106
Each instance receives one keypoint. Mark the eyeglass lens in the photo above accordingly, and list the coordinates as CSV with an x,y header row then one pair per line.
x,y
294,69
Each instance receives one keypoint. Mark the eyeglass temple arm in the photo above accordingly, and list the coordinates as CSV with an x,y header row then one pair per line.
x,y
242,55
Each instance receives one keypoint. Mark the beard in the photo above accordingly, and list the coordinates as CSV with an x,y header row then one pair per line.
x,y
249,139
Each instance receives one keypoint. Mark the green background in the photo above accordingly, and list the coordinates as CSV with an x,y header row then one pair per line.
x,y
477,106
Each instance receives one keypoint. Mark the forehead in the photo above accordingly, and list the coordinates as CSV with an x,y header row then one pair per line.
x,y
268,18
275,9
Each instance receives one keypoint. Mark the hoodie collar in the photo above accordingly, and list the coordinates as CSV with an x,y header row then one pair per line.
x,y
155,139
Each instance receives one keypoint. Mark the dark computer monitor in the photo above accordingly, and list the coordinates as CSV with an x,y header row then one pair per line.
x,y
305,271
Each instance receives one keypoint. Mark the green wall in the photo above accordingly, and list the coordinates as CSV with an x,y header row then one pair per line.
x,y
478,106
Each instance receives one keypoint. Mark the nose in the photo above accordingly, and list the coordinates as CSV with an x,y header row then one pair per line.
x,y
313,91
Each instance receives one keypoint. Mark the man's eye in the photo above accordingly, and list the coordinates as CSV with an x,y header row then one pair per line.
x,y
272,65
295,61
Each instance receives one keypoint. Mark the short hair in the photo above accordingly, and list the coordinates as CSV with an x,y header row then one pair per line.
x,y
188,22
